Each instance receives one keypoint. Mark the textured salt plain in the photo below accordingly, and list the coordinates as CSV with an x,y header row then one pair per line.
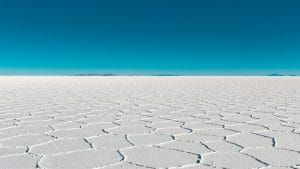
x,y
149,122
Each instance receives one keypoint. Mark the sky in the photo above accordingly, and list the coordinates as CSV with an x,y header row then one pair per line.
x,y
186,37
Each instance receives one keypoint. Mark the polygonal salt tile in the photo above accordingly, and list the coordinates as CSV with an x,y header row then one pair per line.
x,y
9,151
198,138
81,159
132,122
165,124
110,142
158,157
267,122
130,130
101,125
128,117
232,160
26,140
201,125
5,125
8,121
67,125
148,139
48,113
291,124
34,118
190,120
222,122
220,146
17,162
5,135
173,131
37,123
198,166
11,116
286,140
279,127
97,119
275,157
250,140
77,133
207,116
246,128
215,132
190,147
273,167
154,119
241,119
59,146
124,165
20,130
69,118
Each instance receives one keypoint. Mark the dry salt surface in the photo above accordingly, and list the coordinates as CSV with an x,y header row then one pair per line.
x,y
149,122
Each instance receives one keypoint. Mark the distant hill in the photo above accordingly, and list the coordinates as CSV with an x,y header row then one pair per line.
x,y
276,74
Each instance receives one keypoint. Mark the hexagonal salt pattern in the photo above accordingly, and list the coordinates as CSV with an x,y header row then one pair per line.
x,y
149,122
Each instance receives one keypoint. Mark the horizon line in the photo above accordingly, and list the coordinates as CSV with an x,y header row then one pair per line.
x,y
153,75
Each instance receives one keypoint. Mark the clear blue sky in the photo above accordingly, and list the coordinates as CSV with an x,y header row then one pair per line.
x,y
216,37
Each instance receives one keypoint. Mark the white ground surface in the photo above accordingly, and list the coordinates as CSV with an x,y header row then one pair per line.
x,y
149,122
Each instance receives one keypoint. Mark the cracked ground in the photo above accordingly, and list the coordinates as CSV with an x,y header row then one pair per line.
x,y
149,122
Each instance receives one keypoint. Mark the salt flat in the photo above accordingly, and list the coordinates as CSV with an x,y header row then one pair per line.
x,y
149,122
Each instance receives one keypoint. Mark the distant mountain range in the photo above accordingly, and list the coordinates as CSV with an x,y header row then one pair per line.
x,y
276,74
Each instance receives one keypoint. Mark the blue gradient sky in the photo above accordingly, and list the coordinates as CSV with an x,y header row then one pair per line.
x,y
213,37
